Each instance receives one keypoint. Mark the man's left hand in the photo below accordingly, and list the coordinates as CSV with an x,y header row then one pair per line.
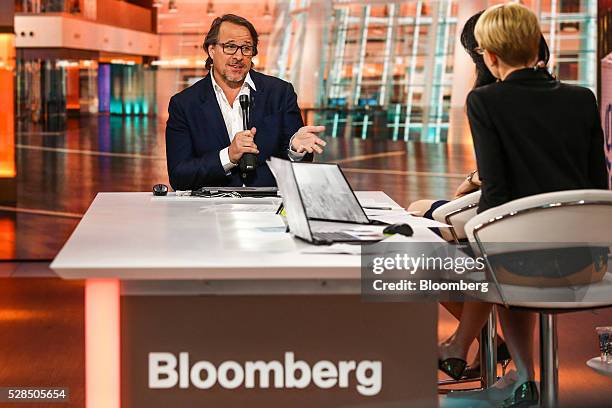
x,y
306,140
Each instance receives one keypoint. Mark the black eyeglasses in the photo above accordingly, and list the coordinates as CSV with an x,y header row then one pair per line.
x,y
232,49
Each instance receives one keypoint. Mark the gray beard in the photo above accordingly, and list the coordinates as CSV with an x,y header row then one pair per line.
x,y
233,84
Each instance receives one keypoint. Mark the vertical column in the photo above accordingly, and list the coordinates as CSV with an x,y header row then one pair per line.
x,y
605,79
463,73
442,38
588,71
102,344
280,40
298,43
309,72
117,89
412,66
336,63
463,67
553,37
434,8
388,58
8,171
361,53
73,96
104,87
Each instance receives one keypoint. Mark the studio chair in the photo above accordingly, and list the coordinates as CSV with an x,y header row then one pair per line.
x,y
456,213
548,254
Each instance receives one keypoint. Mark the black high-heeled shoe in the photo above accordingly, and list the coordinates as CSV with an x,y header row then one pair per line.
x,y
526,395
503,359
453,367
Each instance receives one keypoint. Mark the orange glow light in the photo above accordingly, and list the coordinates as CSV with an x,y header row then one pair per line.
x,y
72,88
8,247
7,126
102,344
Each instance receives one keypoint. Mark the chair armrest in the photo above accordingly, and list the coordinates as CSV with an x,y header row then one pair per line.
x,y
456,213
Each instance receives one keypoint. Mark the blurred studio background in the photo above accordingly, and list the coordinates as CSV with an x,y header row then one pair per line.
x,y
85,84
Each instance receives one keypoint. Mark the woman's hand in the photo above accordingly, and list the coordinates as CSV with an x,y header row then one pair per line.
x,y
469,185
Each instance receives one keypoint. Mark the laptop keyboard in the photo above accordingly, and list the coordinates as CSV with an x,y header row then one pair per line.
x,y
333,236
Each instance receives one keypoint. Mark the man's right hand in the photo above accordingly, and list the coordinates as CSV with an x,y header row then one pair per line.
x,y
243,143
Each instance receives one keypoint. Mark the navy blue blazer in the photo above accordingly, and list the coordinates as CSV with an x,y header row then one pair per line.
x,y
196,132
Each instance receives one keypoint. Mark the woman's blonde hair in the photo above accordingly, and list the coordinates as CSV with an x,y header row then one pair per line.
x,y
511,31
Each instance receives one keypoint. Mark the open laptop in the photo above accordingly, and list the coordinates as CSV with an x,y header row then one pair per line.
x,y
315,192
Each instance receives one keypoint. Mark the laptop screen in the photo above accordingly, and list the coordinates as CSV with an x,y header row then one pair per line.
x,y
326,193
296,217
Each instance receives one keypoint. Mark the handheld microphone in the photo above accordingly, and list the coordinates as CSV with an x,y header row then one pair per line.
x,y
248,161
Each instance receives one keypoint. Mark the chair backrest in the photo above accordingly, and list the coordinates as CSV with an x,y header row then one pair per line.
x,y
555,218
457,213
559,239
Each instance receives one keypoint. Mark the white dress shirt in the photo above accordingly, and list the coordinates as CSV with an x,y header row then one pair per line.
x,y
232,116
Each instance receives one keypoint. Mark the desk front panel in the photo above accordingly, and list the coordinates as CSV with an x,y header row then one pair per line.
x,y
276,351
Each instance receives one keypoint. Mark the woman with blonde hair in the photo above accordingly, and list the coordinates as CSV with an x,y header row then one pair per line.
x,y
532,134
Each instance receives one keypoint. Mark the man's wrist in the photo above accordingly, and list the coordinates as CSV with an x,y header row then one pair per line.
x,y
225,160
291,148
294,153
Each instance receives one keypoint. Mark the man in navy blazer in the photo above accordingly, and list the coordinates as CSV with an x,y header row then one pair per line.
x,y
205,139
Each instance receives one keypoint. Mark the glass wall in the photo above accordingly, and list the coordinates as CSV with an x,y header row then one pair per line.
x,y
387,67
570,27
392,62
375,69
132,90
88,87
48,90
41,93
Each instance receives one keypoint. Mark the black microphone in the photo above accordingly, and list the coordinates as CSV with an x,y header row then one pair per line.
x,y
248,161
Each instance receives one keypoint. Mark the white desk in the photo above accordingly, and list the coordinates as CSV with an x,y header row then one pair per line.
x,y
138,236
157,248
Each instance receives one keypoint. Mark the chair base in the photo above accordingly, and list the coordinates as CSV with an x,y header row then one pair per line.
x,y
549,363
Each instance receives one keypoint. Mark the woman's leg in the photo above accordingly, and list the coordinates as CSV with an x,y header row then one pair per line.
x,y
454,308
420,207
518,328
473,318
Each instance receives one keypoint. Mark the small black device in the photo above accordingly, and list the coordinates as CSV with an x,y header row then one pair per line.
x,y
160,190
248,161
402,229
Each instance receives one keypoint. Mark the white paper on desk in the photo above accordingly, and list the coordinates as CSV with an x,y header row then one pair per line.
x,y
375,213
401,216
233,207
369,202
346,249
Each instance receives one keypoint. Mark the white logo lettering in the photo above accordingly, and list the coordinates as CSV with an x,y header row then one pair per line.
x,y
162,365
166,371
